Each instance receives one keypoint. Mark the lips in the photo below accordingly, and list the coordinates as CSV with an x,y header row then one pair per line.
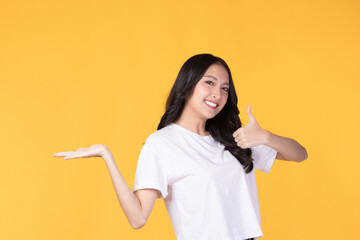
x,y
211,104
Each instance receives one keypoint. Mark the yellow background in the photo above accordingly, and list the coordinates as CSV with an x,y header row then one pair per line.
x,y
77,73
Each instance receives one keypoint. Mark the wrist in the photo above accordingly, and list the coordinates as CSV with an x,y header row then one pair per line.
x,y
107,155
268,136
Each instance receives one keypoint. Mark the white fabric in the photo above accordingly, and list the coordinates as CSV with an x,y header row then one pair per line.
x,y
206,192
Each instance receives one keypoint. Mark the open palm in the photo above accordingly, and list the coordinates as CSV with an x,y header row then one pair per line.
x,y
96,150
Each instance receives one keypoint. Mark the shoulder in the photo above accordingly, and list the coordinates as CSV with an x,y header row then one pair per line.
x,y
160,137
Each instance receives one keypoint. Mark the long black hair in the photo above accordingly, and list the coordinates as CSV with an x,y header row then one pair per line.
x,y
225,123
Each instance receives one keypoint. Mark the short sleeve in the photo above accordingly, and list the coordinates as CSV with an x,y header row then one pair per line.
x,y
150,172
264,157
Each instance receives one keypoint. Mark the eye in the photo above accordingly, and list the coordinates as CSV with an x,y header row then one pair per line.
x,y
210,82
226,89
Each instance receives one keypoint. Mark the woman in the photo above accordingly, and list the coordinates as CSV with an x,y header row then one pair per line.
x,y
201,159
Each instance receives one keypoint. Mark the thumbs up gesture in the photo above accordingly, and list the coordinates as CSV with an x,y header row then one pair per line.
x,y
251,134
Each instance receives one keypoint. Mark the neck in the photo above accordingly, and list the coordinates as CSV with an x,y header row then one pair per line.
x,y
193,124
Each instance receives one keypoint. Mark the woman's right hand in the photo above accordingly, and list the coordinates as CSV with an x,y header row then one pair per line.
x,y
136,206
96,150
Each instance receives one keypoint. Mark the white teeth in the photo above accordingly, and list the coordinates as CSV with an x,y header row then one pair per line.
x,y
211,104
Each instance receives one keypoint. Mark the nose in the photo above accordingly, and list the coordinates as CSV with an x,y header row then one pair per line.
x,y
216,93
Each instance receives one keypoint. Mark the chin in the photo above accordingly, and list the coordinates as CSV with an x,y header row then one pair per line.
x,y
210,117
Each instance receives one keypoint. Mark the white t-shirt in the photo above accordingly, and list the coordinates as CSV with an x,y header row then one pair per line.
x,y
206,192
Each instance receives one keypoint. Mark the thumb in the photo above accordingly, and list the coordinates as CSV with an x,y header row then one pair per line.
x,y
250,115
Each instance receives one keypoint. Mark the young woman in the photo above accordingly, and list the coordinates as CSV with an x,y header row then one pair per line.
x,y
201,159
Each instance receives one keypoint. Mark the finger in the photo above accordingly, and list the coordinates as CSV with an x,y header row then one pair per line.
x,y
64,152
60,154
250,115
238,139
240,142
243,146
74,156
239,135
235,134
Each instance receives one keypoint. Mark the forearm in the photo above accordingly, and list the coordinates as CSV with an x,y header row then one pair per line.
x,y
290,149
129,202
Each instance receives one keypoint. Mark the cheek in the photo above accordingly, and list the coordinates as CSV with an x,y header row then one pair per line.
x,y
225,97
201,92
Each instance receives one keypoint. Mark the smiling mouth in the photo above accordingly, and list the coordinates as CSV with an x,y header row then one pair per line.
x,y
211,104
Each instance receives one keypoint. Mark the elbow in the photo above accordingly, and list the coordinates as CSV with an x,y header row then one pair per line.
x,y
137,225
305,156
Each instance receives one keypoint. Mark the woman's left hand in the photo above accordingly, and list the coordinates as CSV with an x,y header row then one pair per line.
x,y
251,134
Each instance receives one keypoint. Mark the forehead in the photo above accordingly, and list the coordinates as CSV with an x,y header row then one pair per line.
x,y
218,72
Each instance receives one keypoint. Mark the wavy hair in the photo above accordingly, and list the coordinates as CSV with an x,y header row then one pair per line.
x,y
225,123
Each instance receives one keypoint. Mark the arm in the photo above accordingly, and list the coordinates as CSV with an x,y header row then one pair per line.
x,y
288,149
253,134
136,206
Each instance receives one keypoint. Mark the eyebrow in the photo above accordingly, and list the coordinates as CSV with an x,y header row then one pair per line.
x,y
215,79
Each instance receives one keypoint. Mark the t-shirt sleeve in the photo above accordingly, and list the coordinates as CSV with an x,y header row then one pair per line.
x,y
150,172
264,157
